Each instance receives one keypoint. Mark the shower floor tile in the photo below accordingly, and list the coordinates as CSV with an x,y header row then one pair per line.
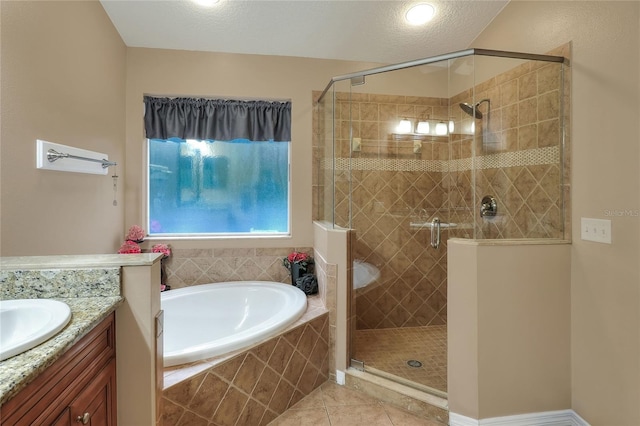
x,y
389,349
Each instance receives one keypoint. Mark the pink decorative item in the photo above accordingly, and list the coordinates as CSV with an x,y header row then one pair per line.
x,y
136,233
129,247
161,248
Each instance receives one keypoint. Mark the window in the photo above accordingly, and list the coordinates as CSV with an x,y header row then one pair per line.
x,y
217,167
217,187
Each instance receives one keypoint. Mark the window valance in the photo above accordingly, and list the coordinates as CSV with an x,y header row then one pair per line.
x,y
217,119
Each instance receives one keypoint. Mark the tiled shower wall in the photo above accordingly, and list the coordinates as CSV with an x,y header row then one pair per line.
x,y
391,187
518,154
517,160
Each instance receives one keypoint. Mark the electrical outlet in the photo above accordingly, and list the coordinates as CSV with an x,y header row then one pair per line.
x,y
597,230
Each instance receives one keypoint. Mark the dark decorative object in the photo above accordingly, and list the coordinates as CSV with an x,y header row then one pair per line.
x,y
297,271
163,277
298,264
308,283
165,250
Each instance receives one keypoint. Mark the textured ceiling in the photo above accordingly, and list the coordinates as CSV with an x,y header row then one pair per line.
x,y
362,30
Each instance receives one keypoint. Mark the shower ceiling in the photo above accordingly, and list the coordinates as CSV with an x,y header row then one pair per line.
x,y
364,30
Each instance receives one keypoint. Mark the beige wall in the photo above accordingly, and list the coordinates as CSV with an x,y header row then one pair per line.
x,y
462,330
509,328
605,279
172,72
63,80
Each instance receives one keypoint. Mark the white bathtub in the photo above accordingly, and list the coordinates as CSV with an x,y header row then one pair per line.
x,y
208,320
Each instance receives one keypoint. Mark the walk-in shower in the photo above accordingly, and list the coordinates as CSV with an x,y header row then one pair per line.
x,y
477,124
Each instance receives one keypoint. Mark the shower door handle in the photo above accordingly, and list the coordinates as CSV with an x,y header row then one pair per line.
x,y
435,232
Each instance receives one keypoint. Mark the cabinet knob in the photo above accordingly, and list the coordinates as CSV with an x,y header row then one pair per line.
x,y
84,419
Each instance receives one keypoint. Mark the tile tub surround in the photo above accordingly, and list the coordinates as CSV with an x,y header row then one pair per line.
x,y
187,267
255,386
327,284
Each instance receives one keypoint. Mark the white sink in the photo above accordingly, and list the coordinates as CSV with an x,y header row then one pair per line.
x,y
25,323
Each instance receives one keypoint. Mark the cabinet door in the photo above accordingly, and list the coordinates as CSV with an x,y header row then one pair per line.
x,y
64,419
95,405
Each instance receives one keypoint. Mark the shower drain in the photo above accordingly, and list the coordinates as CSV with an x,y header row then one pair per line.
x,y
414,363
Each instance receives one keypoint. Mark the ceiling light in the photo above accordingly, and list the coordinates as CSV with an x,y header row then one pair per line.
x,y
420,14
205,3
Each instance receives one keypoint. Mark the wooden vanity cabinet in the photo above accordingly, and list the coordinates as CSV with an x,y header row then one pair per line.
x,y
79,388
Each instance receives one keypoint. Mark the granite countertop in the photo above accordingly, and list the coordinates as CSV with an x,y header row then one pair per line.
x,y
86,312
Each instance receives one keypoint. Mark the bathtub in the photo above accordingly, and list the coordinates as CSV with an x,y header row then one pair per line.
x,y
209,320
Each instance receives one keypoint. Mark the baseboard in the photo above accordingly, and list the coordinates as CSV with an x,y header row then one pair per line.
x,y
548,418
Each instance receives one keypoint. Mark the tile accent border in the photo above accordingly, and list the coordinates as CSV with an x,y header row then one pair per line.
x,y
527,157
387,164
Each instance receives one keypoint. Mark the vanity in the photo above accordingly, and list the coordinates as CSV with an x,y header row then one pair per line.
x,y
80,387
80,376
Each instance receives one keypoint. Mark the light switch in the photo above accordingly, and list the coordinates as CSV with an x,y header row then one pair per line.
x,y
597,230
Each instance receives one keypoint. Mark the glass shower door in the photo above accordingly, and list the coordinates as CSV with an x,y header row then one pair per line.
x,y
399,152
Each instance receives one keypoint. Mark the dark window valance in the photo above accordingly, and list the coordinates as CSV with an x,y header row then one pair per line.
x,y
216,119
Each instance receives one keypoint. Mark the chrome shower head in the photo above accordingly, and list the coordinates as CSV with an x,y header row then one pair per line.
x,y
473,110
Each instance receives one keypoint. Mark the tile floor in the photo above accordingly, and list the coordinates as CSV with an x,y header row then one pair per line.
x,y
334,405
389,349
